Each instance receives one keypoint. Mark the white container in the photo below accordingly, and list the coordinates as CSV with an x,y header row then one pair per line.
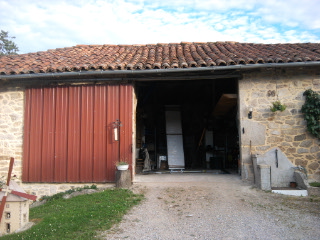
x,y
123,167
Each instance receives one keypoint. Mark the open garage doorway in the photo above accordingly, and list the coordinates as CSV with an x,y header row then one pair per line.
x,y
187,125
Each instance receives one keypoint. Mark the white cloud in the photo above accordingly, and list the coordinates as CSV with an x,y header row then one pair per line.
x,y
46,24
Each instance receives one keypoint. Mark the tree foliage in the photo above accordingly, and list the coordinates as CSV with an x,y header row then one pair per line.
x,y
311,110
7,46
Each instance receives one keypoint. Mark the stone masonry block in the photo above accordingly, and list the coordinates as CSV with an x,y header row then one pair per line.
x,y
300,137
306,143
254,132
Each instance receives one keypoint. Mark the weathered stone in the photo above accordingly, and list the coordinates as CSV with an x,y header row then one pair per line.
x,y
16,96
296,83
254,132
286,144
310,157
297,116
313,166
263,148
284,93
268,116
316,175
275,133
300,137
291,150
284,113
289,131
303,150
288,138
271,93
316,82
314,149
301,179
263,101
274,139
123,179
301,162
273,125
301,122
257,94
306,143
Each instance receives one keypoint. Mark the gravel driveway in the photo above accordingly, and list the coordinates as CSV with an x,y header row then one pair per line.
x,y
215,206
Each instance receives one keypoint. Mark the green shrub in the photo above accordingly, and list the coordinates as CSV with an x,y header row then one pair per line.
x,y
277,106
311,110
314,184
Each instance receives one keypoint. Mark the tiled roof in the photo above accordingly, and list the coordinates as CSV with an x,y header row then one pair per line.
x,y
156,56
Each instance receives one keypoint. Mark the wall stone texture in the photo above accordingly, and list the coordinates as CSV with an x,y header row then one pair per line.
x,y
285,130
11,131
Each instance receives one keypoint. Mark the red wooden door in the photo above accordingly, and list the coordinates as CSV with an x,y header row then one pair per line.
x,y
68,132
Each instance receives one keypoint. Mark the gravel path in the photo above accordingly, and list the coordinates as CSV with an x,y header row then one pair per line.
x,y
212,206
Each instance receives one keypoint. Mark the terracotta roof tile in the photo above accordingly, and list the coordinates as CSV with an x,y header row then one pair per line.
x,y
156,56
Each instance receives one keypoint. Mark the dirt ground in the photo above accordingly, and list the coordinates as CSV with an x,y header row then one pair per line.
x,y
215,206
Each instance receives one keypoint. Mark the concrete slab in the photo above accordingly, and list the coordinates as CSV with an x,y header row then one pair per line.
x,y
300,193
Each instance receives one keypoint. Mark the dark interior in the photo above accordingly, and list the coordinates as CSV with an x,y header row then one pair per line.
x,y
203,113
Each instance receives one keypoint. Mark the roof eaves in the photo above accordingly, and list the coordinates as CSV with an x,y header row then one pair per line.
x,y
132,73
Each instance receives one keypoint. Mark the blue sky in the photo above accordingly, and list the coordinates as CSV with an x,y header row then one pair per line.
x,y
49,24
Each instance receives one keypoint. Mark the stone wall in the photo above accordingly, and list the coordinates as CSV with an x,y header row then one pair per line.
x,y
11,131
285,130
11,145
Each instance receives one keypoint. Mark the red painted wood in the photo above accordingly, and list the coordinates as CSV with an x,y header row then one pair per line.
x,y
69,133
48,137
25,195
112,116
100,134
3,203
74,130
10,170
36,124
86,138
61,144
26,137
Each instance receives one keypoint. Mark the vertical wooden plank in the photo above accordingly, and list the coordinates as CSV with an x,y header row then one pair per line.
x,y
26,136
100,134
48,137
112,116
61,144
74,128
86,157
36,135
126,119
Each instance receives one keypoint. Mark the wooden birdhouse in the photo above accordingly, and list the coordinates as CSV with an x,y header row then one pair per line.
x,y
14,208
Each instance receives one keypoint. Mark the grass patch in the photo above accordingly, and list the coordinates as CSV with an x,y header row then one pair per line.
x,y
315,184
78,217
61,194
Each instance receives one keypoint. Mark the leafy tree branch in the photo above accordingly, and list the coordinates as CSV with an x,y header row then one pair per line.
x,y
7,46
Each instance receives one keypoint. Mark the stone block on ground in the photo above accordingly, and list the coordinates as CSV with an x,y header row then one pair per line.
x,y
123,179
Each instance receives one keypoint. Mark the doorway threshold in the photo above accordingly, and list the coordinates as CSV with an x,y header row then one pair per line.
x,y
172,171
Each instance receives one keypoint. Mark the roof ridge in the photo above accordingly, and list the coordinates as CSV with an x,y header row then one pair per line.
x,y
156,56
